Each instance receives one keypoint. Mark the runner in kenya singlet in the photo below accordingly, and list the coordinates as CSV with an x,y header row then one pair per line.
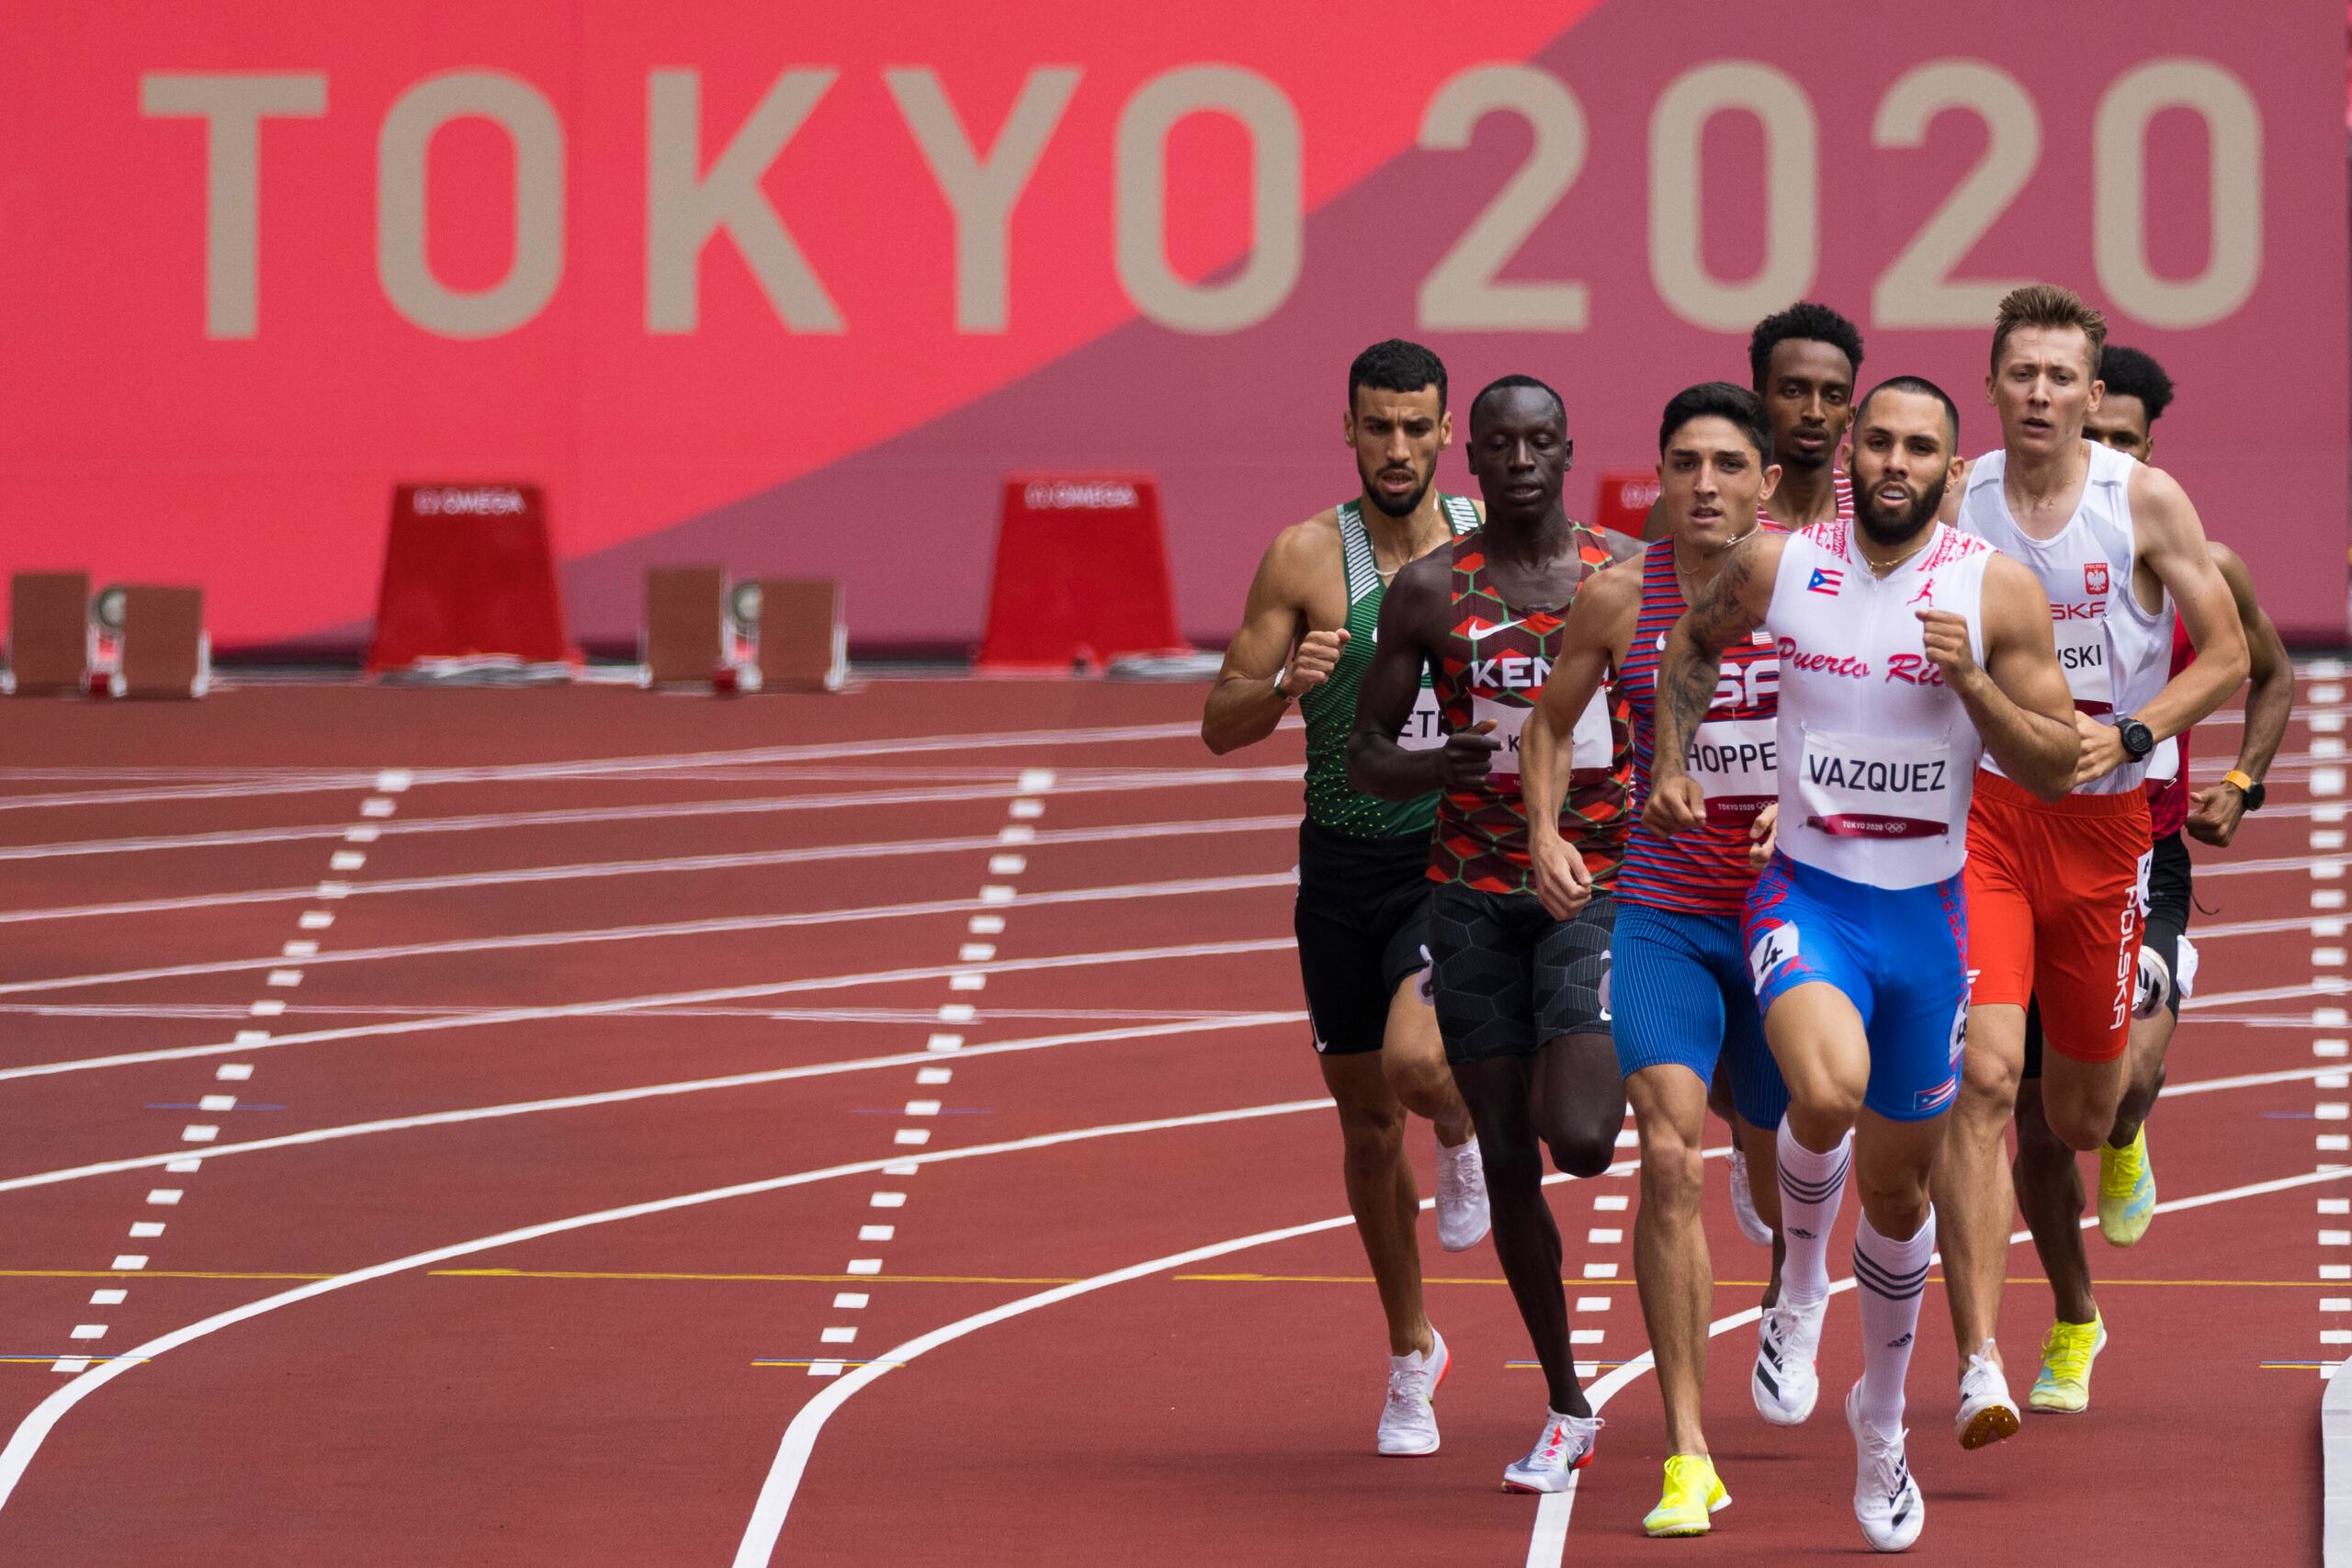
x,y
1496,663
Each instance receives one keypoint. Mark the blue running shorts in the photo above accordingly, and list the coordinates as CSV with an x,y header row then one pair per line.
x,y
1680,995
1899,955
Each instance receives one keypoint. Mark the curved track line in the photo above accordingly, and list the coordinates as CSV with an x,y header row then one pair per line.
x,y
30,1434
809,854
755,806
650,1091
1549,1541
667,998
714,926
617,767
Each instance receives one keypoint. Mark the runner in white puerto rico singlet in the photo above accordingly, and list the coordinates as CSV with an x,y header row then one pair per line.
x,y
1877,762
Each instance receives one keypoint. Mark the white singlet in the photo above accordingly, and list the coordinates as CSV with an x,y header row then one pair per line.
x,y
1878,758
2116,654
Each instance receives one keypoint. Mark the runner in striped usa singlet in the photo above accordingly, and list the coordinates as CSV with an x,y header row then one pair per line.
x,y
1680,990
1361,914
1522,996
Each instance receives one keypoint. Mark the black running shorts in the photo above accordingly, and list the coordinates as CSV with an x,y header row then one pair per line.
x,y
1509,977
2165,929
1362,921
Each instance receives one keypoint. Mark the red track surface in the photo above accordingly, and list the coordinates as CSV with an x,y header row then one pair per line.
x,y
605,1400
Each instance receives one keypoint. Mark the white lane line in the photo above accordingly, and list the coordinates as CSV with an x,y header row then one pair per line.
x,y
615,767
657,1091
670,998
664,865
1549,1540
713,925
34,1429
1139,781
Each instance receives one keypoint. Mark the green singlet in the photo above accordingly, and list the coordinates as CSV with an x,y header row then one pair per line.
x,y
1330,708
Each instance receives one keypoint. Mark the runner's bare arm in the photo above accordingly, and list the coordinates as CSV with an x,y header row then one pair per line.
x,y
2017,698
1243,706
1411,620
2173,544
2214,811
1729,609
1592,644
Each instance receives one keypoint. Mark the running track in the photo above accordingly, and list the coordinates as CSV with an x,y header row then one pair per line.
x,y
527,1127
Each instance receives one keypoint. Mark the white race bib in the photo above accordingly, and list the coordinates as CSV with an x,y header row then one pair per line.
x,y
1422,730
1509,718
2082,653
1863,787
2164,762
1735,763
1589,743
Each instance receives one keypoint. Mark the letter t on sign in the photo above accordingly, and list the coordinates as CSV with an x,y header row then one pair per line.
x,y
232,106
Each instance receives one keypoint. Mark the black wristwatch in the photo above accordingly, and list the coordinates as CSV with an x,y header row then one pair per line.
x,y
2137,737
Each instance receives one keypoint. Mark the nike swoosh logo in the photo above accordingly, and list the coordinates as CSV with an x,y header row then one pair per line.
x,y
1504,626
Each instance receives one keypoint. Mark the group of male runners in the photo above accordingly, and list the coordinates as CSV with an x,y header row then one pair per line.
x,y
1851,808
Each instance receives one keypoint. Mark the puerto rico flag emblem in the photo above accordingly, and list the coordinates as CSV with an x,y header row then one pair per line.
x,y
2095,578
1825,579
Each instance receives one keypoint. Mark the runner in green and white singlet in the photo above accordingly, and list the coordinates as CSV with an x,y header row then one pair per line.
x,y
1363,912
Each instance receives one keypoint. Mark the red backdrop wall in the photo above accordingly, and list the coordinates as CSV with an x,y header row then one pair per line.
x,y
793,288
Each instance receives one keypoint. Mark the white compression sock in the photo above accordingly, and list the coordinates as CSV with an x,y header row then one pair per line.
x,y
1812,1188
1889,1279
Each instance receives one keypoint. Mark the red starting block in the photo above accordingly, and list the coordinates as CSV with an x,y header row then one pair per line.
x,y
52,647
799,636
1081,574
166,651
1624,502
775,634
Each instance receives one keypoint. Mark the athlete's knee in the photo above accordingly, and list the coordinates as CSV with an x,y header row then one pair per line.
x,y
1373,1134
1417,1076
2080,1124
1896,1201
1821,1099
1989,1088
1673,1168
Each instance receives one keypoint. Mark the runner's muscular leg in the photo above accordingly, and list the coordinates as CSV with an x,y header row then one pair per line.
x,y
1761,1146
1670,1260
1412,1053
1972,1183
2050,1189
1381,1192
1816,1036
1892,1160
1500,1093
2151,1039
1579,1102
2079,1100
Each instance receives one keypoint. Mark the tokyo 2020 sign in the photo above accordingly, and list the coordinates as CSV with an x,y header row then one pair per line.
x,y
794,289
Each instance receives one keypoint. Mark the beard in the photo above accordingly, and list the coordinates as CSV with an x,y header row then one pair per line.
x,y
1379,498
1891,527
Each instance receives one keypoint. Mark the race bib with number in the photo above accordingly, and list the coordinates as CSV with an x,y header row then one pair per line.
x,y
1589,743
1423,730
2082,654
1734,763
1860,786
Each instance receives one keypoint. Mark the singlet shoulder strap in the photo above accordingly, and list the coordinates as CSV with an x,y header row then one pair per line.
x,y
1989,468
1355,552
1461,512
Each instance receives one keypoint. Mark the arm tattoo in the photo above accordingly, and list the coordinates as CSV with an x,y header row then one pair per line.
x,y
1686,676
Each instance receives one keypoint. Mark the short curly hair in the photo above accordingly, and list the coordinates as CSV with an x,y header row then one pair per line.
x,y
1809,321
2131,374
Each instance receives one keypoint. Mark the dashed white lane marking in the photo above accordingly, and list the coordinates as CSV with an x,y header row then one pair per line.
x,y
877,1233
1603,1236
183,1167
315,921
198,1132
1612,1201
934,1076
163,1195
298,950
664,1000
108,1298
346,860
922,1108
863,1266
146,1230
985,925
217,1102
233,1072
837,1336
89,1331
1595,1303
851,1301
887,1200
362,835
939,1042
976,953
911,1137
